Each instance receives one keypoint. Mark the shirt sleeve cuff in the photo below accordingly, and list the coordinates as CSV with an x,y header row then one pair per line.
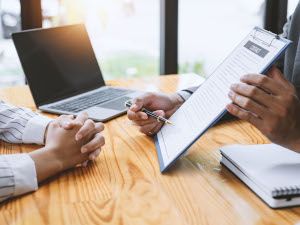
x,y
34,131
24,172
184,95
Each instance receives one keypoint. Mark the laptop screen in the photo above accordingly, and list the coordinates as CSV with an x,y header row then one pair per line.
x,y
58,62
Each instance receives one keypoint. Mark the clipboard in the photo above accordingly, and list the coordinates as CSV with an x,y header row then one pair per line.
x,y
255,35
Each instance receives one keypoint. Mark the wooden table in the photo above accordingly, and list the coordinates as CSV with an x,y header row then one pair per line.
x,y
124,185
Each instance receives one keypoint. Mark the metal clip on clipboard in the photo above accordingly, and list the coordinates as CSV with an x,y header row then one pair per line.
x,y
255,37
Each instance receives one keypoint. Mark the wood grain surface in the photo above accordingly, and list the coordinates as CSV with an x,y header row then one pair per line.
x,y
124,185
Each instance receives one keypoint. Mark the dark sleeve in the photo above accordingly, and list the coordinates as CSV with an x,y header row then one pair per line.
x,y
191,90
280,61
186,93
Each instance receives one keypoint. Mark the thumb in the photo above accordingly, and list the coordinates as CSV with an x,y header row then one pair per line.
x,y
142,101
137,104
277,75
66,122
160,113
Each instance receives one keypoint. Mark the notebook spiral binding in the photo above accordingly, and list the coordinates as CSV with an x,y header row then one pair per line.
x,y
286,191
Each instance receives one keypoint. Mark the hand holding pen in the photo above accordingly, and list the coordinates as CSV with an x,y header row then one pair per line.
x,y
159,118
163,105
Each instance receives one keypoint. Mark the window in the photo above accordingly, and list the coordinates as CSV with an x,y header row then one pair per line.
x,y
209,30
124,33
10,69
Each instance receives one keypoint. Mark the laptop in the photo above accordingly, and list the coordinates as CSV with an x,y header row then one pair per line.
x,y
64,76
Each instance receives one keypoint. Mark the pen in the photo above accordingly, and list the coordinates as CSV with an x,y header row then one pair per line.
x,y
128,104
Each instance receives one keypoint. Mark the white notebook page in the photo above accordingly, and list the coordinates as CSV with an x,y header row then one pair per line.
x,y
271,166
210,100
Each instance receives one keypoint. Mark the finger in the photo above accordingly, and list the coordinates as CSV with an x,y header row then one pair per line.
x,y
247,104
138,104
62,117
266,83
140,123
157,128
136,115
142,101
85,163
86,130
277,75
65,121
81,118
253,93
244,115
95,154
286,86
97,142
153,128
70,125
99,127
151,119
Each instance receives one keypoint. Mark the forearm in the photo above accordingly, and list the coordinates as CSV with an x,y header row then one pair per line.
x,y
46,163
17,175
21,173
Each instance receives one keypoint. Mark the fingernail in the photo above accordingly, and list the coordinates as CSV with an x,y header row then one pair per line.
x,y
83,150
161,113
233,86
85,164
230,94
66,124
134,106
144,117
243,78
78,137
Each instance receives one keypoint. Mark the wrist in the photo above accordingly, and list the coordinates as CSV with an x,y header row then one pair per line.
x,y
47,163
176,100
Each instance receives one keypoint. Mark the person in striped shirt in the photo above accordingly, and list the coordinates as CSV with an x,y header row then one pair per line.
x,y
68,142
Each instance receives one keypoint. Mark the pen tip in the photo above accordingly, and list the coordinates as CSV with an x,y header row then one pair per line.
x,y
169,122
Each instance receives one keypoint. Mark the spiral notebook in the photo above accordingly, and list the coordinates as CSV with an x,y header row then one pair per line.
x,y
271,171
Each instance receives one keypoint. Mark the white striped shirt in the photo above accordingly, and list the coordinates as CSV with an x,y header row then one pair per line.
x,y
17,171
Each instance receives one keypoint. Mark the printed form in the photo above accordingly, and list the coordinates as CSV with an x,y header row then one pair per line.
x,y
253,55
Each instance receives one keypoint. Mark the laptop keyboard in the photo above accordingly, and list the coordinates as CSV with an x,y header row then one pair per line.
x,y
84,102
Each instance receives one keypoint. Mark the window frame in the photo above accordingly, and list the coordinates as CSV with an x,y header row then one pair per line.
x,y
31,14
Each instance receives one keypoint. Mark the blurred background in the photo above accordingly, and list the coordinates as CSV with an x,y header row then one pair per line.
x,y
126,33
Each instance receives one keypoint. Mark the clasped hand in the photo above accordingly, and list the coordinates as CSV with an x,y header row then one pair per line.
x,y
88,130
69,141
